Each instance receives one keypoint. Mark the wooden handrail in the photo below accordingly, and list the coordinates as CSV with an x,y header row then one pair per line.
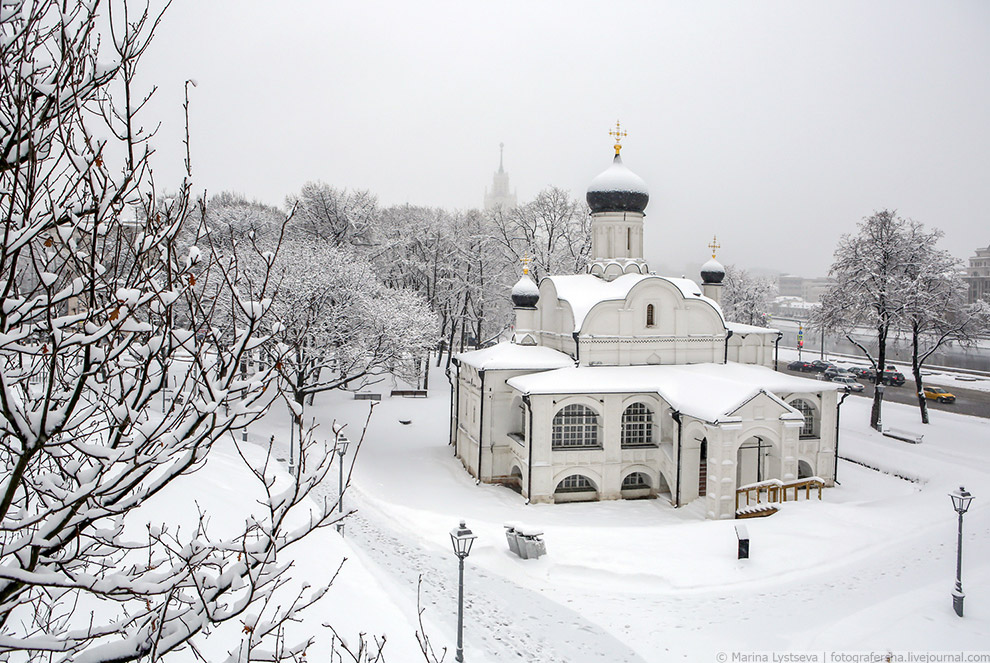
x,y
776,490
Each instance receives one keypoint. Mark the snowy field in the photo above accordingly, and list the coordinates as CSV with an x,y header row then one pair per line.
x,y
870,568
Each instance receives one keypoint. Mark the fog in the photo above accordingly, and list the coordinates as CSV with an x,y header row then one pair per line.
x,y
774,125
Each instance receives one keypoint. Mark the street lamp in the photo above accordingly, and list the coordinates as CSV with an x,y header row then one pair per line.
x,y
880,389
461,538
960,502
342,443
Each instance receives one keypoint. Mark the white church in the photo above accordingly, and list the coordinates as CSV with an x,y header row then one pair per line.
x,y
621,384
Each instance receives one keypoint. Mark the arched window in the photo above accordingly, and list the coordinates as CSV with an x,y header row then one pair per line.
x,y
635,481
649,315
637,426
575,426
576,483
628,239
805,408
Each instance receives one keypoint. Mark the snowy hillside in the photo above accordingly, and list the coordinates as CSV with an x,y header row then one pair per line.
x,y
870,567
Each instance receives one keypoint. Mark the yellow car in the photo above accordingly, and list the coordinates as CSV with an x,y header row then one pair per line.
x,y
938,394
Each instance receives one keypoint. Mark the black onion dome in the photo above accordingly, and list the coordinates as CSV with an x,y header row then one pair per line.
x,y
618,189
525,293
712,272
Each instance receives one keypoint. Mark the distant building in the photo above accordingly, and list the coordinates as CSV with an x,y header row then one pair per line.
x,y
810,290
499,196
978,275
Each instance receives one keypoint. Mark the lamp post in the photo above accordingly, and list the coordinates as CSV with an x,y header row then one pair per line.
x,y
960,502
461,538
342,443
880,389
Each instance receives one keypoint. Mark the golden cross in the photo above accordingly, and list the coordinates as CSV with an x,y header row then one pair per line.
x,y
714,245
618,134
525,260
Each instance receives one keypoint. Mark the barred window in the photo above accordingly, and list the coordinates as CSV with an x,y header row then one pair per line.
x,y
576,483
637,426
805,408
575,426
649,315
635,480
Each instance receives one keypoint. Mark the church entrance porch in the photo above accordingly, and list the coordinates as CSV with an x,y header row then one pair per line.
x,y
757,460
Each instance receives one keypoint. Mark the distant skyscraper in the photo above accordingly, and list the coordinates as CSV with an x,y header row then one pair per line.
x,y
499,196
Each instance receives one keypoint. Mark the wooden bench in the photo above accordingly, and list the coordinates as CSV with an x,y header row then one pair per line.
x,y
367,396
418,393
903,435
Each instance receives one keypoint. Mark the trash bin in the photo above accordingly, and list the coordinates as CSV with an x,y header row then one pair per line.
x,y
742,535
512,537
531,544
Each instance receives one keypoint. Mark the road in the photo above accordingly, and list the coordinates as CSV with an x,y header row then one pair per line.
x,y
968,401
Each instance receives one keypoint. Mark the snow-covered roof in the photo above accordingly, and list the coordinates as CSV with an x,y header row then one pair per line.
x,y
584,291
706,391
510,356
740,328
618,178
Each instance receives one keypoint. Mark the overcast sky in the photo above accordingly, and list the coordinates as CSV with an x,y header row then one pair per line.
x,y
775,125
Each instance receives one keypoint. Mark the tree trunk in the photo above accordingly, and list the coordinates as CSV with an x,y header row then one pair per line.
x,y
875,417
916,369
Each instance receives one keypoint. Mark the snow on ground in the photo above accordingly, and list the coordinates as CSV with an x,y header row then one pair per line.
x,y
868,568
355,604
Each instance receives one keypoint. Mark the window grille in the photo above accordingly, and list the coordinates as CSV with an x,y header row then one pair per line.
x,y
575,426
635,480
576,483
637,426
649,315
802,406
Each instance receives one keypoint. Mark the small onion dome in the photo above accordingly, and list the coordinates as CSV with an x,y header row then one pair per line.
x,y
712,272
618,189
525,294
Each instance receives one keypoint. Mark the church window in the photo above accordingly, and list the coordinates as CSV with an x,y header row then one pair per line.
x,y
628,239
635,481
703,468
575,426
650,319
637,425
576,483
805,408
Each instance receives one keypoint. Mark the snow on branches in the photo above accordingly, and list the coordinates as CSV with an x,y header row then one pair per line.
x,y
116,375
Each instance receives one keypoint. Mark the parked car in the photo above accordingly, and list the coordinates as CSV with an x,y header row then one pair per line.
x,y
833,371
849,382
803,366
820,366
860,371
939,394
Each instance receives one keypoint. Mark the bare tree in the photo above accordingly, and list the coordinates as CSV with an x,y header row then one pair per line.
x,y
114,381
869,288
935,310
553,230
336,216
746,298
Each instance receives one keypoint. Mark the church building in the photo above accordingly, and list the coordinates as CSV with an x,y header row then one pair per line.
x,y
621,384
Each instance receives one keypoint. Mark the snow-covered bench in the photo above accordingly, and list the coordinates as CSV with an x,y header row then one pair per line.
x,y
903,435
409,392
367,396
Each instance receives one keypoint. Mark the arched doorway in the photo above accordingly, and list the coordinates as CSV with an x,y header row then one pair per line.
x,y
757,460
805,471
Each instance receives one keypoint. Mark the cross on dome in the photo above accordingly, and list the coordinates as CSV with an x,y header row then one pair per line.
x,y
525,260
714,245
618,134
